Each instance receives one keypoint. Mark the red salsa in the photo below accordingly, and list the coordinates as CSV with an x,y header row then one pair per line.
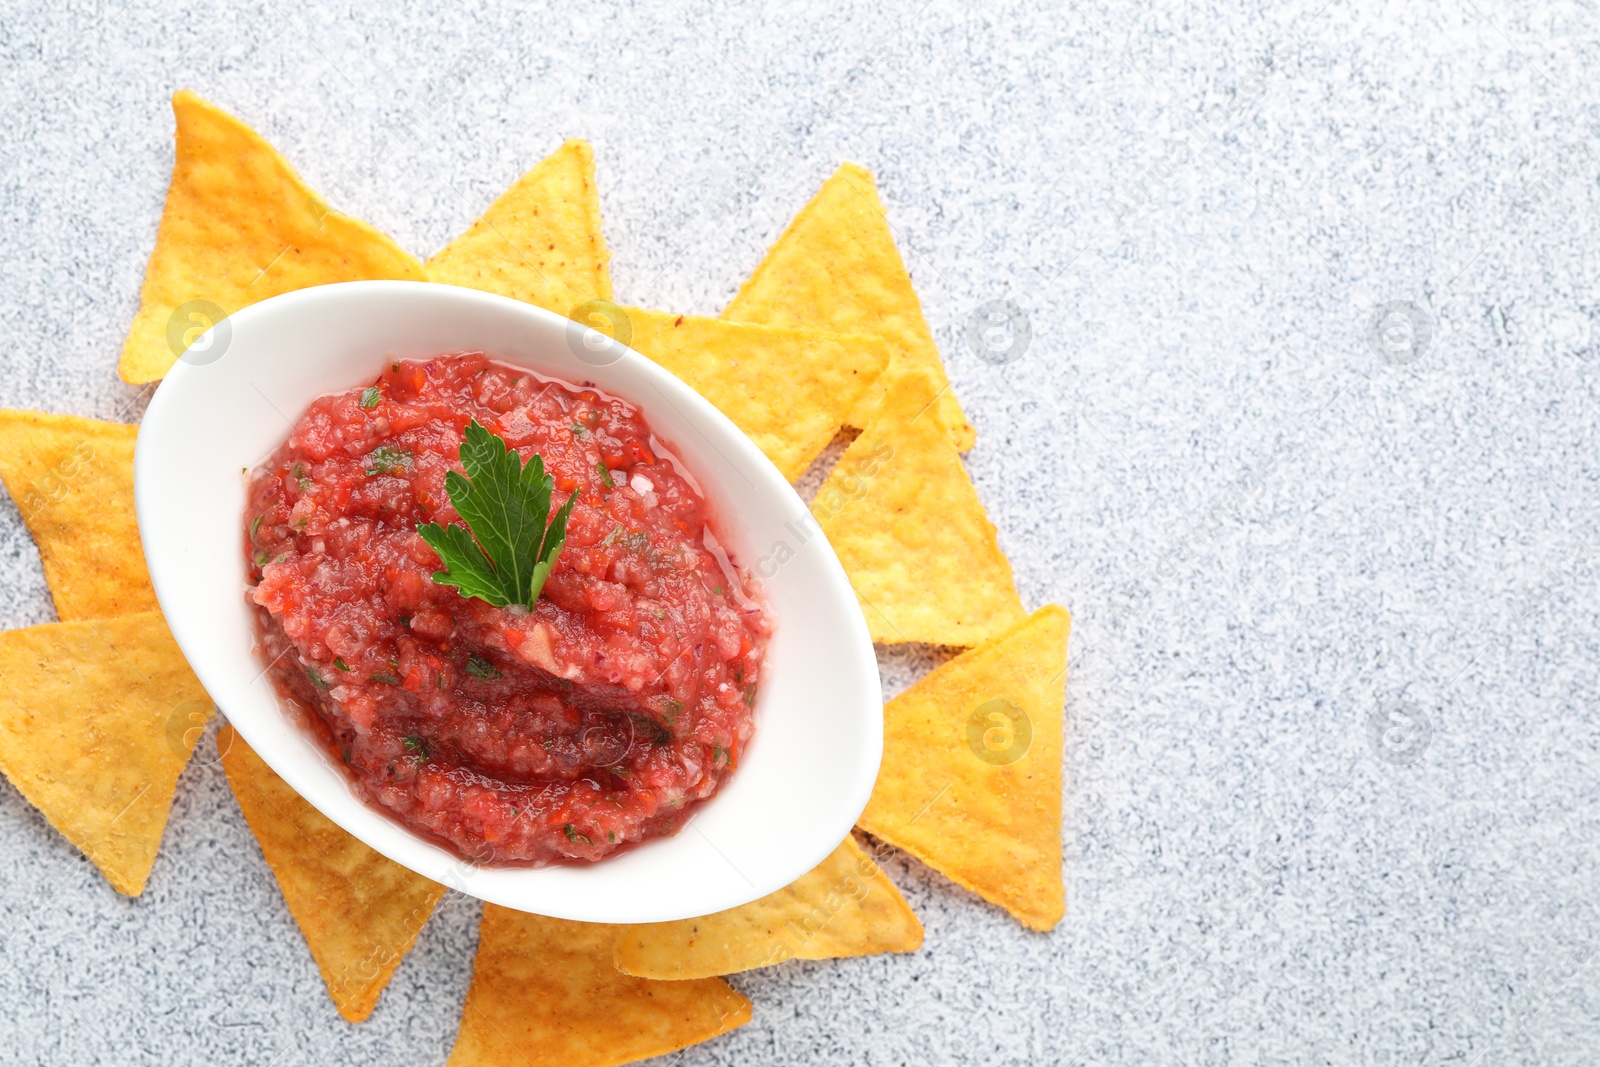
x,y
594,720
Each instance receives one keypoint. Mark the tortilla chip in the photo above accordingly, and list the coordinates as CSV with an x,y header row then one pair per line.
x,y
845,906
971,775
97,722
544,992
72,479
788,390
836,268
540,242
360,912
239,226
911,533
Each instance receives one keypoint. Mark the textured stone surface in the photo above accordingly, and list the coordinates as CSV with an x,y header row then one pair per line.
x,y
1266,532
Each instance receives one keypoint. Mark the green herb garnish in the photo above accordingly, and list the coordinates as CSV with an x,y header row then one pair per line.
x,y
650,730
416,746
405,620
316,679
504,553
604,472
479,667
370,396
578,430
387,459
300,477
719,755
749,696
573,835
340,664
384,679
255,524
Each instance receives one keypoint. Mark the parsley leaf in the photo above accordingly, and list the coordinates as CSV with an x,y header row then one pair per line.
x,y
417,746
504,553
370,396
387,459
604,472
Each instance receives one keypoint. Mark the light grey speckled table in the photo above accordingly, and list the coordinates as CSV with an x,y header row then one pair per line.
x,y
1305,436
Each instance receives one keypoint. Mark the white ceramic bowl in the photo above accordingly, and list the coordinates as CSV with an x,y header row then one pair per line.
x,y
819,731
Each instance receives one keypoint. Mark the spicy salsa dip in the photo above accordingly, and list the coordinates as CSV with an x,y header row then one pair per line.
x,y
595,720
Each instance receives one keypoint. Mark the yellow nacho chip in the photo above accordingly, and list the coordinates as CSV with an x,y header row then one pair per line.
x,y
845,906
788,390
906,522
97,721
72,479
544,992
239,226
540,242
971,776
836,268
360,912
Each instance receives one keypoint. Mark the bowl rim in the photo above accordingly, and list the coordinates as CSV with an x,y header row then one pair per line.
x,y
164,424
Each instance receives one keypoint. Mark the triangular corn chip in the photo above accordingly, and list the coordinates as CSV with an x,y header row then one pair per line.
x,y
910,531
540,242
836,268
360,912
72,479
789,390
971,776
98,719
239,226
544,992
844,906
